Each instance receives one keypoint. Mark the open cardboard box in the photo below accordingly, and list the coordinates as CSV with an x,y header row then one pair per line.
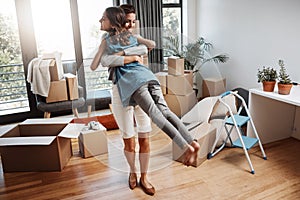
x,y
205,135
37,144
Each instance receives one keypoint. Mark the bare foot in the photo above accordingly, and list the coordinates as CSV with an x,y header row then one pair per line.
x,y
194,155
188,155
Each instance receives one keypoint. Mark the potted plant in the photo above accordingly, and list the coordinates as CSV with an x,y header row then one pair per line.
x,y
267,76
285,83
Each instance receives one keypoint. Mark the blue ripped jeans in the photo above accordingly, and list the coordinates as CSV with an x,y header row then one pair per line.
x,y
150,98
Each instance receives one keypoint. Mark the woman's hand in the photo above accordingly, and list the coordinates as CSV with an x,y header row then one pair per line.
x,y
139,59
130,59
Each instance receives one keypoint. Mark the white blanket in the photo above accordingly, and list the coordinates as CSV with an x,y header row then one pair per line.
x,y
39,76
207,110
201,111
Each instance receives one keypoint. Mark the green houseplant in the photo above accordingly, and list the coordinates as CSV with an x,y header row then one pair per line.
x,y
285,83
195,55
193,52
267,76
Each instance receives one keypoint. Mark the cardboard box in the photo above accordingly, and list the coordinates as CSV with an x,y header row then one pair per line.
x,y
205,135
176,66
57,91
72,86
162,78
181,104
56,71
93,142
180,85
37,144
213,87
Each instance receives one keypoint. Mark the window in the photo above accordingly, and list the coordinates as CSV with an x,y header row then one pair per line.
x,y
30,28
172,26
89,15
53,27
13,95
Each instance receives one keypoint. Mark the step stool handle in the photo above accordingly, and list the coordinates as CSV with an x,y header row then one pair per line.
x,y
225,94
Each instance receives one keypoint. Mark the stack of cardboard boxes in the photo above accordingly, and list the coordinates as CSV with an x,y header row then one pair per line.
x,y
177,86
63,87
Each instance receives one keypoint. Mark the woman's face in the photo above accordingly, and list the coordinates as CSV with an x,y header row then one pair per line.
x,y
130,24
105,23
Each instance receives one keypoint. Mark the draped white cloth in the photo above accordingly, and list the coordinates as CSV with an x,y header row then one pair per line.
x,y
39,76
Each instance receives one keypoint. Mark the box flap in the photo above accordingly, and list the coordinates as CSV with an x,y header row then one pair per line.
x,y
6,128
47,121
71,130
18,141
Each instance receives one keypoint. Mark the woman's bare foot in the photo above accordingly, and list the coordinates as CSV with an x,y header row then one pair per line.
x,y
194,156
188,154
191,153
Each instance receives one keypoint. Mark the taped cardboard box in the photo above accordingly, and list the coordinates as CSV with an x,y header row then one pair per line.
x,y
181,104
93,142
176,66
58,91
205,135
213,87
162,78
37,145
72,86
55,68
56,72
180,85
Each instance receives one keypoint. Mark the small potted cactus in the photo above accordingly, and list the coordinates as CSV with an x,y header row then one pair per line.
x,y
267,76
284,81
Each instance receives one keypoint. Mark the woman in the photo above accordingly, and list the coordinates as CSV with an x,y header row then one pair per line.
x,y
138,85
126,117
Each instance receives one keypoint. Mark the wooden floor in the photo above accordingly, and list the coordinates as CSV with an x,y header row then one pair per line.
x,y
225,176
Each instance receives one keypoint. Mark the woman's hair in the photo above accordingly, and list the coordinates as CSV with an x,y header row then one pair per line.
x,y
128,8
117,19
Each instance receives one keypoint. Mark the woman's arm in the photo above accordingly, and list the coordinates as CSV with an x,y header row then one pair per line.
x,y
124,57
129,55
96,61
149,43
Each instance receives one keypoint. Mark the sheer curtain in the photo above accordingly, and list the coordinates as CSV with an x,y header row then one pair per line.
x,y
149,13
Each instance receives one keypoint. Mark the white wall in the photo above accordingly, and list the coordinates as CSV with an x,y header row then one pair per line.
x,y
189,21
253,33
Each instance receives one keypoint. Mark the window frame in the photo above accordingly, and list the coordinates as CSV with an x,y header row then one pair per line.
x,y
175,5
29,51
